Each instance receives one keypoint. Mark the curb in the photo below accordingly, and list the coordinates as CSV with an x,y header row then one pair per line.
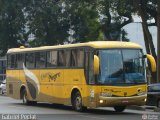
x,y
157,110
154,108
143,108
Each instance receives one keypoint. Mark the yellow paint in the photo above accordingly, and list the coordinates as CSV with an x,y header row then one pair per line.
x,y
152,61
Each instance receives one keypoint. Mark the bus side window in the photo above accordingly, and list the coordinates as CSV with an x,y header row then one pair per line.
x,y
86,64
68,57
89,69
30,60
80,58
20,60
74,58
61,58
12,61
77,58
51,58
40,59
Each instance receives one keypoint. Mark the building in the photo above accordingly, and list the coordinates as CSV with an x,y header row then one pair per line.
x,y
2,68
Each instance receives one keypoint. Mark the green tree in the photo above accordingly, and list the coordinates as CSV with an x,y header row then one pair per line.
x,y
88,19
115,15
12,24
51,21
48,21
83,17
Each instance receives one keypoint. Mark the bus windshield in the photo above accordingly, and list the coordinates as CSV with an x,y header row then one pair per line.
x,y
121,66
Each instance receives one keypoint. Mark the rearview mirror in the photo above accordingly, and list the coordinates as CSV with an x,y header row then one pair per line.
x,y
96,65
152,61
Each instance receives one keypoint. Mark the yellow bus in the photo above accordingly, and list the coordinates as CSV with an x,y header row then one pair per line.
x,y
84,75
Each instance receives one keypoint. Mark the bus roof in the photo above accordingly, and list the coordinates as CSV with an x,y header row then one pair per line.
x,y
94,44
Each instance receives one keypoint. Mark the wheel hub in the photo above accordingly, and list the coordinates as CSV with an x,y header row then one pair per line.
x,y
78,103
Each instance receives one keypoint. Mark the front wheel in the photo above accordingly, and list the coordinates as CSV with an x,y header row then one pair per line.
x,y
77,102
119,108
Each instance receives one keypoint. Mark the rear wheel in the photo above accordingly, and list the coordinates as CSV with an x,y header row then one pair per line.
x,y
77,102
119,108
25,99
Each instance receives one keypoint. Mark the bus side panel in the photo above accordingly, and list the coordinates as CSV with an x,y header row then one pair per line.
x,y
58,86
13,84
51,85
73,79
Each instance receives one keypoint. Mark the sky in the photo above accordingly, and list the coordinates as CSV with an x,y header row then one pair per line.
x,y
135,33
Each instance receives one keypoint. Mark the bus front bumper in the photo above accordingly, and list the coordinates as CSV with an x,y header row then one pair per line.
x,y
122,101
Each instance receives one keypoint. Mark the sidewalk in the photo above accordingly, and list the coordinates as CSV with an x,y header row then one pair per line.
x,y
154,108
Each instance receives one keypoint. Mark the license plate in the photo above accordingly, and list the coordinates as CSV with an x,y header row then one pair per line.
x,y
125,101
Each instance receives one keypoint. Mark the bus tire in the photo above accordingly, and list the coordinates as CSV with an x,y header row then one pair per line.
x,y
119,108
25,100
77,102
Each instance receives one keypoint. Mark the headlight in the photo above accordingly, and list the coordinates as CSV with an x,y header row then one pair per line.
x,y
106,94
145,100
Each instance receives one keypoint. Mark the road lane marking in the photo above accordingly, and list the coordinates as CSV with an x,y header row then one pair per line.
x,y
17,107
98,118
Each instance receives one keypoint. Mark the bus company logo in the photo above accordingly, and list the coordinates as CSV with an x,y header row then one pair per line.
x,y
51,76
111,90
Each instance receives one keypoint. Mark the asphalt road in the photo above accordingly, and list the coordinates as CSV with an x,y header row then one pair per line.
x,y
14,109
